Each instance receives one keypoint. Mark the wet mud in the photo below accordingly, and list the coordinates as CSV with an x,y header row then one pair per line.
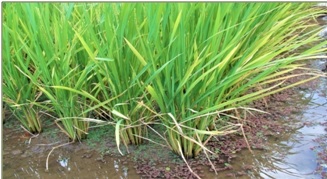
x,y
24,157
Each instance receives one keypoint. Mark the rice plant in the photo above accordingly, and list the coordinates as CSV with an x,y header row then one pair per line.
x,y
188,64
18,92
51,49
119,72
209,56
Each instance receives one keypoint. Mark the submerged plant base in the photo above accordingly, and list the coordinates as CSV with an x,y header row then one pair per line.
x,y
133,135
187,146
76,131
29,118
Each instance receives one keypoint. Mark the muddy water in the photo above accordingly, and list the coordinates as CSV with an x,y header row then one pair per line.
x,y
25,158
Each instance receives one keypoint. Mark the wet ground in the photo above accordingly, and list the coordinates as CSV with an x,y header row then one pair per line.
x,y
22,159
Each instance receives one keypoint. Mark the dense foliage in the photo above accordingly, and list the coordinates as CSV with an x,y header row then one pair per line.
x,y
190,67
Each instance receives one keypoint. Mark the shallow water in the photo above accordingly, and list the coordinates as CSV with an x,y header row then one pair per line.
x,y
77,167
300,160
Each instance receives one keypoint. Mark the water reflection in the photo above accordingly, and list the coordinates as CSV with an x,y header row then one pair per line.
x,y
292,155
